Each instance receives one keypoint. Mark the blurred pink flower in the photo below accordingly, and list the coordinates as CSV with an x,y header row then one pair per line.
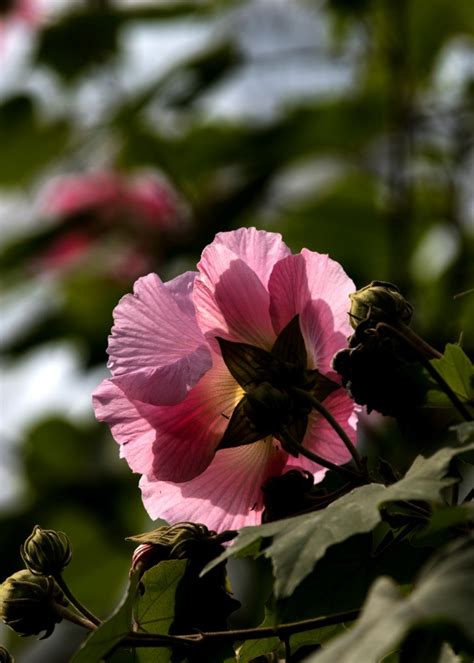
x,y
65,251
17,11
144,198
100,213
171,395
22,10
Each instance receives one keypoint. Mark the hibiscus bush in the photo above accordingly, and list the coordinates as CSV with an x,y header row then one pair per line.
x,y
249,228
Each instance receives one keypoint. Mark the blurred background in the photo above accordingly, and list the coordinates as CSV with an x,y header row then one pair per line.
x,y
132,132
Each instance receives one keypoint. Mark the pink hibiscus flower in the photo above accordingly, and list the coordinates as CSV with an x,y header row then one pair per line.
x,y
186,356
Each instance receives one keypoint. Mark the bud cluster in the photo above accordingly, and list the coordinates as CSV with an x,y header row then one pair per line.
x,y
31,600
379,368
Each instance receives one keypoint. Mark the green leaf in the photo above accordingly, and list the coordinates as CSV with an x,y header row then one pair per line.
x,y
455,367
442,599
446,518
298,543
112,631
155,609
251,649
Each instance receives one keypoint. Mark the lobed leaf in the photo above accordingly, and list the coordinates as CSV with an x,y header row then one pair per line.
x,y
296,544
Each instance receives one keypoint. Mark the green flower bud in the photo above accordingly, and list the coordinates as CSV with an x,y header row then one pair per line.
x,y
29,603
5,656
46,552
381,302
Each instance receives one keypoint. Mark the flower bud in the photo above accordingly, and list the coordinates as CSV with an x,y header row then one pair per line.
x,y
46,552
28,603
287,494
5,656
380,302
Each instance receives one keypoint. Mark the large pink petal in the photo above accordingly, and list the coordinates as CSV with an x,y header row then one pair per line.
x,y
132,423
227,495
322,340
152,332
259,249
236,306
181,289
189,432
317,288
172,442
309,276
322,439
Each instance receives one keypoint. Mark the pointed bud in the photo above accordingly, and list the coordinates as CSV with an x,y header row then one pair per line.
x,y
5,656
29,603
46,552
379,301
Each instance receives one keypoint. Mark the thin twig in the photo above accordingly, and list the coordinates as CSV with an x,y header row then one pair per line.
x,y
282,630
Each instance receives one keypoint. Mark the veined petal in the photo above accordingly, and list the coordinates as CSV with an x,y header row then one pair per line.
x,y
152,331
259,249
170,442
227,495
189,432
309,276
321,339
236,306
230,292
132,423
181,289
322,439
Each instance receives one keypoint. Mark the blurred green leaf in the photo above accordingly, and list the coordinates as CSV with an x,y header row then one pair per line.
x,y
81,41
28,144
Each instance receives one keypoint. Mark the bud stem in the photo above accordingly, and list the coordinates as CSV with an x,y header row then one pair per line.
x,y
414,345
317,405
75,618
89,616
292,444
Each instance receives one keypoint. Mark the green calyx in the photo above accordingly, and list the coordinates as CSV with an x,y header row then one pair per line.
x,y
276,384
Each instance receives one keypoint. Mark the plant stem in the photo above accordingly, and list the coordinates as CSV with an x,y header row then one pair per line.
x,y
317,405
75,618
152,640
423,359
79,607
292,444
